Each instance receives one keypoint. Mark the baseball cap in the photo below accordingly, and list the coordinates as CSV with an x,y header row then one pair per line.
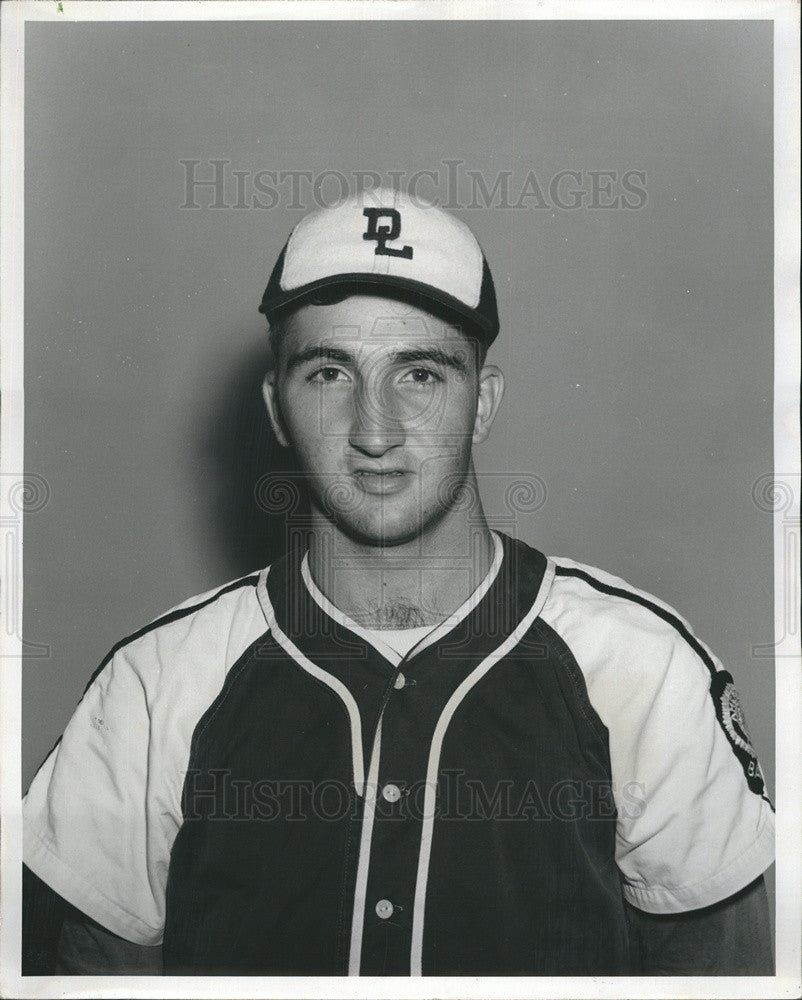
x,y
382,242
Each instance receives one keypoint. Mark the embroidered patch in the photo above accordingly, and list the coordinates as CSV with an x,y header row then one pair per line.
x,y
730,714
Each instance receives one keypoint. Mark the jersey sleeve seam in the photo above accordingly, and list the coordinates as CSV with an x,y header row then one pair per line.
x,y
232,676
578,682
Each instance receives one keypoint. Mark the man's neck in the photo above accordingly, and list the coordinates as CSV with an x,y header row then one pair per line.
x,y
417,583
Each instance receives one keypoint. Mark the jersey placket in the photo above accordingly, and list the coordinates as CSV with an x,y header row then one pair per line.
x,y
395,813
395,810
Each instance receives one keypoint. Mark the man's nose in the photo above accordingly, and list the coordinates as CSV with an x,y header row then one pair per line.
x,y
375,426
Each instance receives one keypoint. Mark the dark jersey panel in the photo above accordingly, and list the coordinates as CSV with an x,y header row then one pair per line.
x,y
257,879
526,832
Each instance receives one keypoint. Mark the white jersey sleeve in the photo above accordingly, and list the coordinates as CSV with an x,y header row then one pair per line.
x,y
103,811
694,822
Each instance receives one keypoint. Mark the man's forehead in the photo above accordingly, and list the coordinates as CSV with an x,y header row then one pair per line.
x,y
370,319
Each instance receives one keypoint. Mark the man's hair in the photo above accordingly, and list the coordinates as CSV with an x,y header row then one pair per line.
x,y
276,329
277,325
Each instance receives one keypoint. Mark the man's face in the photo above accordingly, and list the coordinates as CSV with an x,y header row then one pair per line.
x,y
381,403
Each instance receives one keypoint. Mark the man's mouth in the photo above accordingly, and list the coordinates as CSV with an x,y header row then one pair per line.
x,y
380,481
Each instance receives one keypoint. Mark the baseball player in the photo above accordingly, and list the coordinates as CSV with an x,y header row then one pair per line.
x,y
413,745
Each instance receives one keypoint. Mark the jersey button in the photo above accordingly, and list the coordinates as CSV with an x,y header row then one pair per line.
x,y
384,909
392,793
400,682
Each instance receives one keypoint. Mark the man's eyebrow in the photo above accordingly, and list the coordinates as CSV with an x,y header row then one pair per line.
x,y
411,356
436,355
319,353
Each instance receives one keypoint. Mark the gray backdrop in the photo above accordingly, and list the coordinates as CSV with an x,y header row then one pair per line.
x,y
637,342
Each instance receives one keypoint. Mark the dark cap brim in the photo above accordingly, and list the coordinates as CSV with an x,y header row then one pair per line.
x,y
404,289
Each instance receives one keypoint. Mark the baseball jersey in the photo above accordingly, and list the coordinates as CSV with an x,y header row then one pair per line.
x,y
264,787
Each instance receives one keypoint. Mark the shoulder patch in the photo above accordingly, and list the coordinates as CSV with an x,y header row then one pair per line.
x,y
730,714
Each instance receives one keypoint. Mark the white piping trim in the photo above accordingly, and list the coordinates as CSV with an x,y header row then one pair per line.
x,y
416,956
328,608
467,606
328,679
437,631
363,866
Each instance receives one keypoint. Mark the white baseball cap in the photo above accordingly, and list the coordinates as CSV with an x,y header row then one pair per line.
x,y
381,242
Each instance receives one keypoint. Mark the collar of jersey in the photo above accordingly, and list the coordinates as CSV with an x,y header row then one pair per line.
x,y
337,645
371,636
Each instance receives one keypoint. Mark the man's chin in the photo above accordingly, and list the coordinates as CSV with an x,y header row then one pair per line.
x,y
389,532
384,538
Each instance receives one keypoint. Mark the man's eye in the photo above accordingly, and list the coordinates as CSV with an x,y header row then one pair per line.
x,y
422,376
328,374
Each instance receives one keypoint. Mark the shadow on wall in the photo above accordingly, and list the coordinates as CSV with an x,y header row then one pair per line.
x,y
249,487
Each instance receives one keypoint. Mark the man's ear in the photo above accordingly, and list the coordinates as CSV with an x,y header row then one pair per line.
x,y
270,396
491,389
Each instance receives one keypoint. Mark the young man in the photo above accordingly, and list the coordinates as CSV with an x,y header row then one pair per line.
x,y
412,745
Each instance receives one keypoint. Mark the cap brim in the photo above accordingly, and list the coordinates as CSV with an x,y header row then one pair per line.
x,y
404,289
